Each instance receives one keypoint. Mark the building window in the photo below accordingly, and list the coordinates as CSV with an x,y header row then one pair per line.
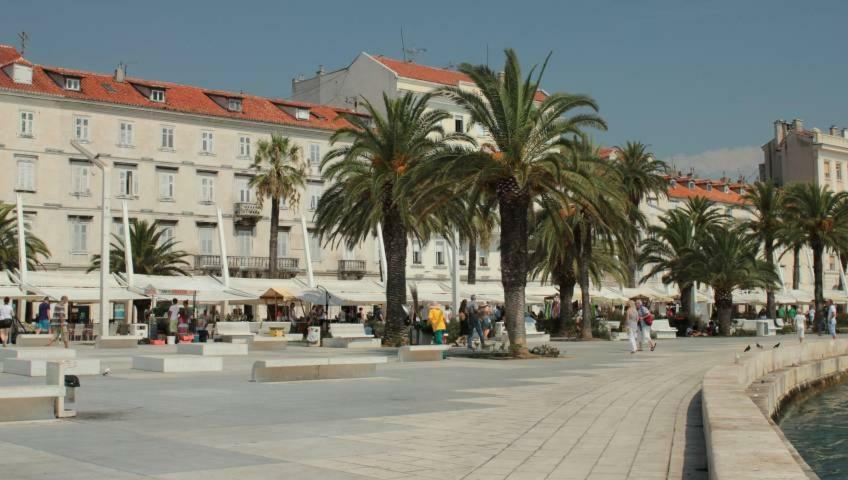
x,y
463,254
167,184
831,263
244,237
282,243
302,114
127,181
26,173
839,171
206,142
416,252
234,104
483,254
481,130
72,83
167,233
81,128
168,138
440,252
314,246
206,239
244,146
652,200
827,170
314,154
79,234
80,178
243,190
458,124
27,120
207,188
314,195
126,139
157,95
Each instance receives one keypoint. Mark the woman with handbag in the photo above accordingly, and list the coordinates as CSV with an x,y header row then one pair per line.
x,y
6,315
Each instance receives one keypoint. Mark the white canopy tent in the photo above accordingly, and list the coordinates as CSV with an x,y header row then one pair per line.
x,y
343,292
202,289
647,291
10,287
79,287
255,287
430,292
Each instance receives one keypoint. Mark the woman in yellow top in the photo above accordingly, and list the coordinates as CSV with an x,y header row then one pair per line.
x,y
437,322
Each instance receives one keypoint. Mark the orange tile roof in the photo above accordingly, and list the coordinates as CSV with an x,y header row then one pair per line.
x,y
99,87
681,190
441,76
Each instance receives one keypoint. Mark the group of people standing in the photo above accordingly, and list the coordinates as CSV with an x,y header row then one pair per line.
x,y
639,320
55,324
475,319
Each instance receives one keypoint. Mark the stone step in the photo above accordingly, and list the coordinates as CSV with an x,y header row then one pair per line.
x,y
212,349
177,363
38,368
41,353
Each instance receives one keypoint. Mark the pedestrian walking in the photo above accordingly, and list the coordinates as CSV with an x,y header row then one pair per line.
x,y
474,325
646,319
60,322
811,313
632,324
436,318
800,325
831,319
42,322
7,314
173,317
462,316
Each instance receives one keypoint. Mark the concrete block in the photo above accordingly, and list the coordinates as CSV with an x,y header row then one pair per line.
x,y
26,403
291,369
351,342
33,340
421,353
212,349
38,368
117,341
177,363
42,353
268,343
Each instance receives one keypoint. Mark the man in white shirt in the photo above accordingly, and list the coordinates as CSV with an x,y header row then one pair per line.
x,y
7,314
800,325
173,317
831,319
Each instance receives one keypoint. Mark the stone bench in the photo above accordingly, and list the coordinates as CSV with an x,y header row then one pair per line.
x,y
535,336
212,349
268,343
266,327
421,353
38,368
350,335
38,353
177,363
36,402
663,330
317,368
33,339
750,325
117,341
229,331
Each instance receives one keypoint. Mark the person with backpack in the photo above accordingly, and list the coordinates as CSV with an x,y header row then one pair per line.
x,y
646,319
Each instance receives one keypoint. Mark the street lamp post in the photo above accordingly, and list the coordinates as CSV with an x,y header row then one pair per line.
x,y
104,236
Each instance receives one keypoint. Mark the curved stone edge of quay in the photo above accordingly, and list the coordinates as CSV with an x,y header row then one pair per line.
x,y
742,441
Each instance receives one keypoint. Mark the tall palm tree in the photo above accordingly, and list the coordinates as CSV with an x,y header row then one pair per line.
x,y
372,184
726,258
678,231
823,219
280,175
36,250
151,255
766,203
641,175
523,165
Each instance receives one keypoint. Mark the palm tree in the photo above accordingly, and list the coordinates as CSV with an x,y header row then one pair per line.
x,y
726,258
35,248
151,254
280,176
765,201
523,165
679,230
790,236
641,175
372,184
823,219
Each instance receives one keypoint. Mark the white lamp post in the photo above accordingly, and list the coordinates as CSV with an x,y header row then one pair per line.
x,y
104,236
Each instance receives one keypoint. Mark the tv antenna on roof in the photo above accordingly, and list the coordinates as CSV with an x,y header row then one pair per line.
x,y
409,54
24,37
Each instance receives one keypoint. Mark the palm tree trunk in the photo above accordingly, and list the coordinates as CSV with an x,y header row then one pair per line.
x,y
724,307
633,265
272,242
566,293
843,260
585,299
770,304
818,292
687,292
394,235
514,210
796,267
472,260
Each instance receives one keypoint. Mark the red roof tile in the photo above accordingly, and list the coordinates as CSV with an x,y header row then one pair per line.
x,y
441,76
99,87
681,190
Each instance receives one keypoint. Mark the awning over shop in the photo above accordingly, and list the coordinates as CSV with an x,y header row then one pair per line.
x,y
256,287
201,289
431,292
838,296
77,286
647,291
344,293
535,294
10,287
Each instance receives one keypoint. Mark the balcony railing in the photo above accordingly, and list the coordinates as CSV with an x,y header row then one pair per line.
x,y
351,268
256,266
247,211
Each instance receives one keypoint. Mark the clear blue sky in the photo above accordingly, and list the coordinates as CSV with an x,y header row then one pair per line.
x,y
701,82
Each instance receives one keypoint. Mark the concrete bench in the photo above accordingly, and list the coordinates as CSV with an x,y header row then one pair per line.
x,y
39,353
38,368
350,335
36,402
177,363
663,330
266,327
116,341
268,343
229,331
318,368
421,353
33,339
212,349
750,325
535,336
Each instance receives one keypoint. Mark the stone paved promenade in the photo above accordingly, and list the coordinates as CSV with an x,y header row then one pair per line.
x,y
598,413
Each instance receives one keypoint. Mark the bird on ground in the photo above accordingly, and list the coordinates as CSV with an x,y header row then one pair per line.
x,y
776,346
107,372
747,349
759,346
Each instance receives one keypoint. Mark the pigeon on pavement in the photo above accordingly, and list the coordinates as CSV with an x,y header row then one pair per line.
x,y
747,349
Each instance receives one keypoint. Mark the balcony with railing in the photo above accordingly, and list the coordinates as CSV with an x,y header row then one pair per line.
x,y
247,212
246,266
351,269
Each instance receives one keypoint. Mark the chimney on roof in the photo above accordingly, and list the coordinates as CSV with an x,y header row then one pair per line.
x,y
121,73
845,133
320,70
834,130
779,131
797,124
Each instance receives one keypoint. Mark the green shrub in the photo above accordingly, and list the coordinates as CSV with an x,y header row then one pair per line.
x,y
545,351
453,331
